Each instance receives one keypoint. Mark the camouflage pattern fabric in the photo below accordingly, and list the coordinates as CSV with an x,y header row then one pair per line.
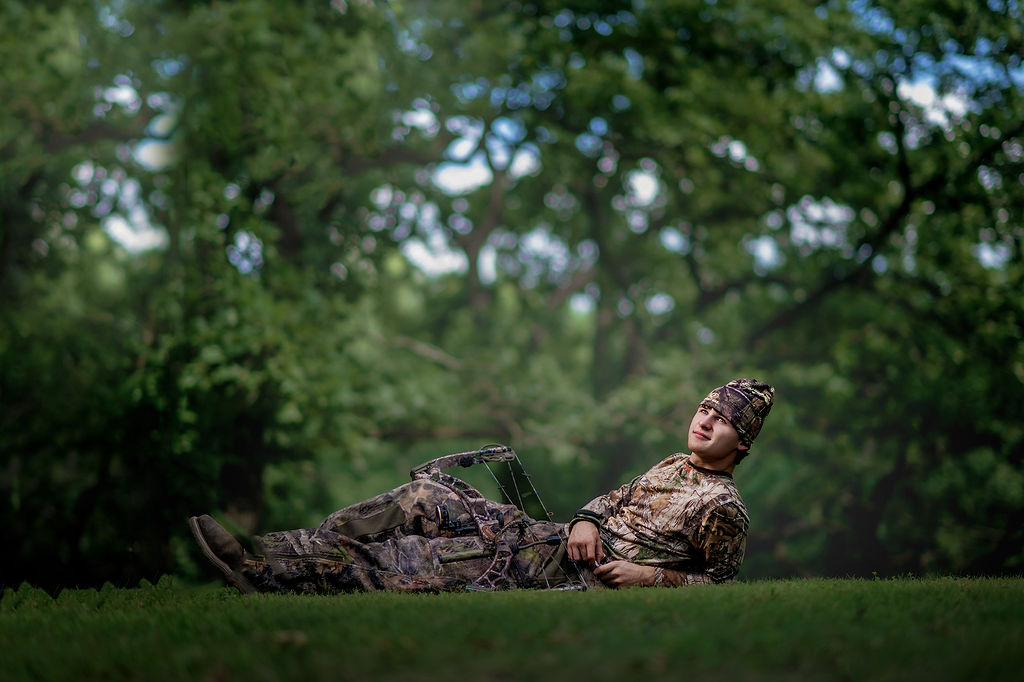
x,y
745,403
688,521
417,537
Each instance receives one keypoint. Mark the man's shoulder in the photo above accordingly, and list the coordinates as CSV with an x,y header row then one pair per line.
x,y
699,475
712,489
721,497
673,460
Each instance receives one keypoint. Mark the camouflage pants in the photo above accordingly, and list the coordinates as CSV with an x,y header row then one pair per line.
x,y
419,536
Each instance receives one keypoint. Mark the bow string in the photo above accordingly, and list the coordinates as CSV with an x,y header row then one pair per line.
x,y
492,530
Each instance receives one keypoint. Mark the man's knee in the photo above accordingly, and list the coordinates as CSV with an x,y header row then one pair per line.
x,y
431,507
419,507
424,493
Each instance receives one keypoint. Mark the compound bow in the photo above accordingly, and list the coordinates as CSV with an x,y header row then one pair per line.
x,y
489,524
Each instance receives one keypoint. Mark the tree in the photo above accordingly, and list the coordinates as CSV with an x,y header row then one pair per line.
x,y
640,203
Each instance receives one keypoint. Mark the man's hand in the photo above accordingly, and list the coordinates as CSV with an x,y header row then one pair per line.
x,y
624,574
584,544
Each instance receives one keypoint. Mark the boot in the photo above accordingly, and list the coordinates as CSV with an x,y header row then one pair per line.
x,y
222,549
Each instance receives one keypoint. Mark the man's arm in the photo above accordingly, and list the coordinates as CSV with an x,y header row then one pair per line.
x,y
584,544
723,538
626,574
603,506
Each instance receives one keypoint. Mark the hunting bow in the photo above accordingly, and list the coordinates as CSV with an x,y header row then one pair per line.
x,y
491,529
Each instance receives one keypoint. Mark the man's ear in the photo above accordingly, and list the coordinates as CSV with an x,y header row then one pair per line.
x,y
742,448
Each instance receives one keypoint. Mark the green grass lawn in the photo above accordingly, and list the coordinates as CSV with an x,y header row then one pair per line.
x,y
935,629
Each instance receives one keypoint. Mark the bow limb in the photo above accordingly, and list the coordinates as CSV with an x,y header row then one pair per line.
x,y
490,528
498,453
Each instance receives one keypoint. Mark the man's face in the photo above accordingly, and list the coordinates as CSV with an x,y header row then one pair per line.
x,y
712,438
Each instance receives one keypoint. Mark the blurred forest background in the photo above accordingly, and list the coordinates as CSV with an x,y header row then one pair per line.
x,y
258,258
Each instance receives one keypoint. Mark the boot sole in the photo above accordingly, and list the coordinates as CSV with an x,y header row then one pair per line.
x,y
237,580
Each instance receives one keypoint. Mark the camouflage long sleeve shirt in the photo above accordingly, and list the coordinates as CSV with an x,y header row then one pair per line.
x,y
688,521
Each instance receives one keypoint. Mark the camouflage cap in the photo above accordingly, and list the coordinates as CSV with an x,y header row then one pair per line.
x,y
745,403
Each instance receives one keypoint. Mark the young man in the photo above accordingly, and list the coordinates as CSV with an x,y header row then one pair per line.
x,y
681,522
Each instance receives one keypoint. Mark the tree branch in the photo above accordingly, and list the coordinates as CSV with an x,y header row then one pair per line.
x,y
838,279
424,350
99,130
398,154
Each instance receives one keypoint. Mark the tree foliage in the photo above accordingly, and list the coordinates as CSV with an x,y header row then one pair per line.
x,y
258,258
